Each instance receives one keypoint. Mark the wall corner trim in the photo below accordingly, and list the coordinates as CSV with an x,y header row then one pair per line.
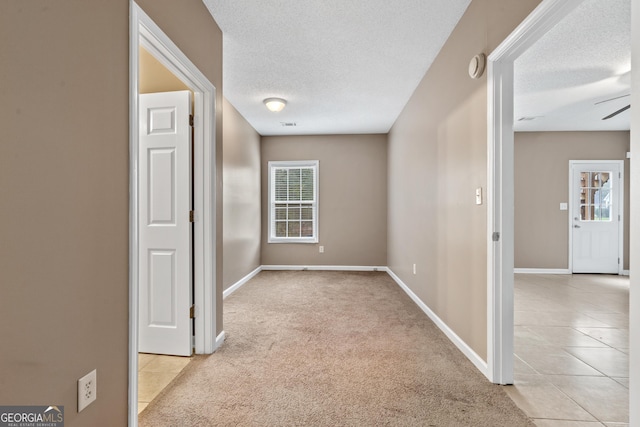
x,y
231,289
455,339
541,271
219,340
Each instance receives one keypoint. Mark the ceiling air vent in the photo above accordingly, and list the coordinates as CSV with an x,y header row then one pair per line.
x,y
288,124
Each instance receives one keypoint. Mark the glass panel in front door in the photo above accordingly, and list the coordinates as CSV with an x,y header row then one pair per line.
x,y
595,196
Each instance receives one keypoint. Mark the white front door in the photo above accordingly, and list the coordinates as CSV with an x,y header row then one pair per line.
x,y
596,216
165,227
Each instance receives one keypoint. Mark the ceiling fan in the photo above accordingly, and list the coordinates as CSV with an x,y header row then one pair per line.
x,y
615,113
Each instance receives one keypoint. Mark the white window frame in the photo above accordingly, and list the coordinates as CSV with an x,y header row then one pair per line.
x,y
273,166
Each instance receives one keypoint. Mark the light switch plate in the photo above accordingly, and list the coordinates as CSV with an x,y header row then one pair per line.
x,y
563,206
479,196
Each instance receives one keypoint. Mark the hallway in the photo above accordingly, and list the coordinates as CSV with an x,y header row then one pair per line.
x,y
571,349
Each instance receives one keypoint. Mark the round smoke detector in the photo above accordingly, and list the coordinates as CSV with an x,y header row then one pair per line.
x,y
476,66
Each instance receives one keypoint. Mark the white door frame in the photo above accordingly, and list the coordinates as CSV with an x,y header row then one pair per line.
x,y
144,32
500,189
620,207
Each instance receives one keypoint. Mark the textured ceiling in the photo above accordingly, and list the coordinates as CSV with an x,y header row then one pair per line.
x,y
344,66
562,80
348,66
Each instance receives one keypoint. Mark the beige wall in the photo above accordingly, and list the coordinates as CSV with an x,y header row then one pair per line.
x,y
241,200
155,77
437,159
542,183
64,174
352,199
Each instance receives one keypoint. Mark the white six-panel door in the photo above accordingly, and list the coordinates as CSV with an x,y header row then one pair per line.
x,y
596,216
165,228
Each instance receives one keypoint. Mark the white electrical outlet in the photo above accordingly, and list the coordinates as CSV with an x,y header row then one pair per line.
x,y
87,389
321,249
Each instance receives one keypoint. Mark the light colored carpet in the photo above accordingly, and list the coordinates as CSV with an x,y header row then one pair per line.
x,y
309,348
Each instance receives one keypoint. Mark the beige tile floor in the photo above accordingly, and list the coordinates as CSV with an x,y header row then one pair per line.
x,y
155,372
571,349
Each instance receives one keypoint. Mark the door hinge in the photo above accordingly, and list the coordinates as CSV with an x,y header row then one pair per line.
x,y
191,120
192,216
192,312
496,236
618,260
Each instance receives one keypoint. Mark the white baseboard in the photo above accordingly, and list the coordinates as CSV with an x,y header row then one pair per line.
x,y
323,267
455,339
219,340
551,271
541,271
231,289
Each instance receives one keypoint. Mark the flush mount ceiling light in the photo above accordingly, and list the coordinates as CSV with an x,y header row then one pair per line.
x,y
275,104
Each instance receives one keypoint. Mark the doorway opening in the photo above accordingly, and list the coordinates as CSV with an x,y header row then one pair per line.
x,y
145,33
500,187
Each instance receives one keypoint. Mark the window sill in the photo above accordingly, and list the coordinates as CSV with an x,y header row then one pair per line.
x,y
292,240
